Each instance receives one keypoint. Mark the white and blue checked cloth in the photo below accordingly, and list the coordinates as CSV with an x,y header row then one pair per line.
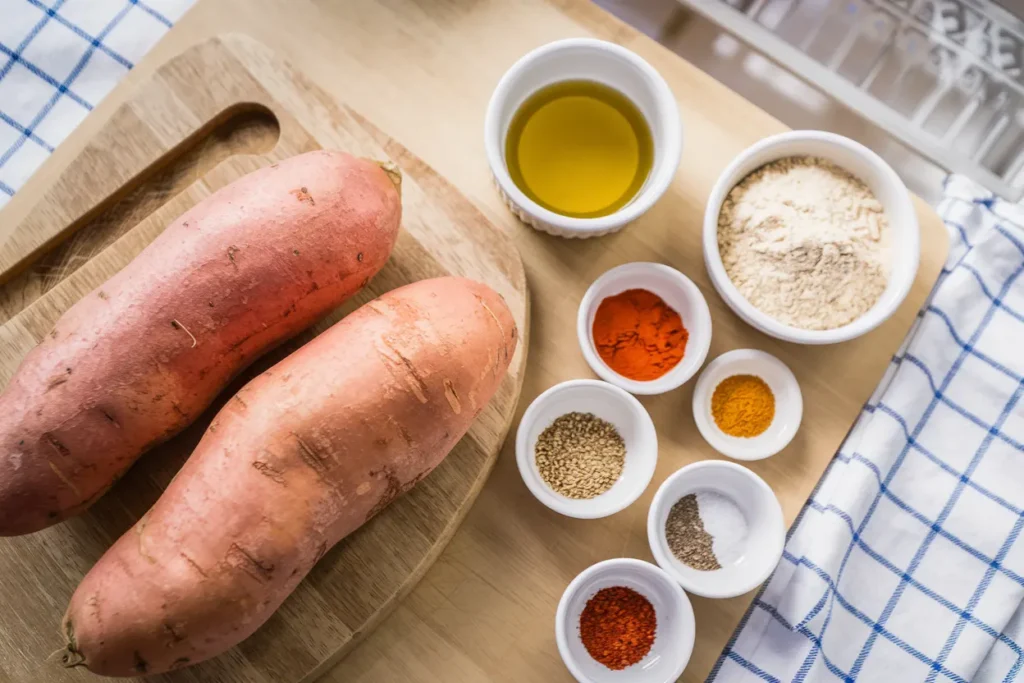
x,y
907,563
58,58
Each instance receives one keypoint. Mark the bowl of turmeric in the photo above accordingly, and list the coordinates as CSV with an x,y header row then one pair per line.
x,y
644,327
747,404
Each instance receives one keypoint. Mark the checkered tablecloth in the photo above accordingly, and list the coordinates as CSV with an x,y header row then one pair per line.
x,y
57,61
907,563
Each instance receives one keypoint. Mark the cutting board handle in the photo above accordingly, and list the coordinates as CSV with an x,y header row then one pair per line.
x,y
167,118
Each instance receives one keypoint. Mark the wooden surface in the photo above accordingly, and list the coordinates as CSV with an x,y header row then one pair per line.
x,y
423,71
220,110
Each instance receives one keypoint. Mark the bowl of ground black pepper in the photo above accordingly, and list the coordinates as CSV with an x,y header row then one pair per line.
x,y
586,448
717,528
747,404
624,620
644,327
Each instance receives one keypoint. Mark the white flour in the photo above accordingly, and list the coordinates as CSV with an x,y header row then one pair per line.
x,y
805,242
724,520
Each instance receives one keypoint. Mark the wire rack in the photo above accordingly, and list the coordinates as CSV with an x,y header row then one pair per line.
x,y
944,76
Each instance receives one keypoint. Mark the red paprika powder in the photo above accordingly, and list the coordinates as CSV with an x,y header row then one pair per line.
x,y
638,335
617,627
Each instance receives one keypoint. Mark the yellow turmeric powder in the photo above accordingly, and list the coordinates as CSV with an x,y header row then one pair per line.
x,y
743,405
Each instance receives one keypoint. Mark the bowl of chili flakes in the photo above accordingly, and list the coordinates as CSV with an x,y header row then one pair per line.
x,y
625,620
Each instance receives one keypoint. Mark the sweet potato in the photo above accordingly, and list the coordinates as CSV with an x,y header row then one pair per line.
x,y
139,358
299,458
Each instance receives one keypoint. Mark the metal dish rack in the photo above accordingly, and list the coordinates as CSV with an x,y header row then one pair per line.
x,y
946,77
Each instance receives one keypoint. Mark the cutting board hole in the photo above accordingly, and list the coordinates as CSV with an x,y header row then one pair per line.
x,y
243,130
247,129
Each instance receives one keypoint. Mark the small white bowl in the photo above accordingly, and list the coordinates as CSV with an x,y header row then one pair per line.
x,y
865,165
673,639
611,404
678,291
789,404
755,499
593,60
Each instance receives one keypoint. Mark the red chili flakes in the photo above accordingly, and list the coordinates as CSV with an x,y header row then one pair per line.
x,y
617,627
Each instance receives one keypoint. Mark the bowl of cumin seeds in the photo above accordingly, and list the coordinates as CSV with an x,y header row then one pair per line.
x,y
586,448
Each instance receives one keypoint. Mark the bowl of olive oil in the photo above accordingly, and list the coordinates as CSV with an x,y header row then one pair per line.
x,y
583,137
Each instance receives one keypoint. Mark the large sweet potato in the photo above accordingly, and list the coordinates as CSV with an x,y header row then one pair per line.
x,y
137,360
300,457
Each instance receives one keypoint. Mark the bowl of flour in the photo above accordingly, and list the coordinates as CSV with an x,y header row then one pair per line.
x,y
811,237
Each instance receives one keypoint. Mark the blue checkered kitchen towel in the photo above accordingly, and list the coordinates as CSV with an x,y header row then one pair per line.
x,y
57,60
907,563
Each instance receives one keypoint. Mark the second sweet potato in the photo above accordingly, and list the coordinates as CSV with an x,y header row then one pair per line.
x,y
303,455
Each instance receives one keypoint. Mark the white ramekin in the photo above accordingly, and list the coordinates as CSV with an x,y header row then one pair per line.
x,y
789,404
595,60
678,291
673,639
760,507
868,167
610,403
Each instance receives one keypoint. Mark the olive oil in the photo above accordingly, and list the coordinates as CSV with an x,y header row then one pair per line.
x,y
579,148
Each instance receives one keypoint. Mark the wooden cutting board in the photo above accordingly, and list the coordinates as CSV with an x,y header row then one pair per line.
x,y
210,115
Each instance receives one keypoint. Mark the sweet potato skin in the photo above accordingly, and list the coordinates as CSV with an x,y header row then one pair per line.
x,y
139,358
299,458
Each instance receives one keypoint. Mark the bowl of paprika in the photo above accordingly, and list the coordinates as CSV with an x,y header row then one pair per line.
x,y
644,327
625,620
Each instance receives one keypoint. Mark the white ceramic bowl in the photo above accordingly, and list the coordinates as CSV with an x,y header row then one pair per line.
x,y
611,404
594,60
678,291
760,507
673,639
868,167
789,404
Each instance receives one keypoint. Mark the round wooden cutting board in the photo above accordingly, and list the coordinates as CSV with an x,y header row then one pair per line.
x,y
207,117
